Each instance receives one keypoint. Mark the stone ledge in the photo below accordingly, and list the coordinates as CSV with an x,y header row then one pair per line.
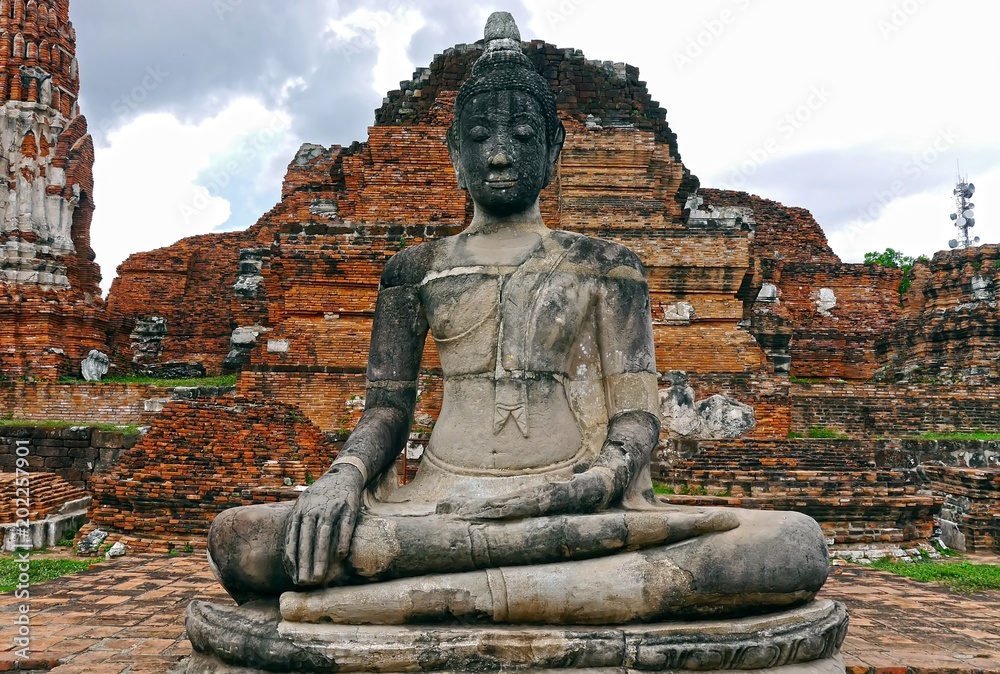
x,y
806,639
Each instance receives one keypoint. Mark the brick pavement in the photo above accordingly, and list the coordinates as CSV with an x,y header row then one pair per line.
x,y
126,617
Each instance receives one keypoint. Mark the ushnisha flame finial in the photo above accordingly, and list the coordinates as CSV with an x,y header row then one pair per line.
x,y
501,32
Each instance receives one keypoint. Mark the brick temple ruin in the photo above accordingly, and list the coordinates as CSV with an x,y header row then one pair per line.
x,y
51,312
748,299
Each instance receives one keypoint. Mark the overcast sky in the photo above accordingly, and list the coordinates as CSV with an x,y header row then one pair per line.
x,y
856,109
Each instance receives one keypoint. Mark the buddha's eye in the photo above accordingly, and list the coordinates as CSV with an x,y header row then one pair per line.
x,y
523,131
479,133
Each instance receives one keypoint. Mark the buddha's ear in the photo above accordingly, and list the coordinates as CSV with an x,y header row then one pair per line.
x,y
555,147
455,154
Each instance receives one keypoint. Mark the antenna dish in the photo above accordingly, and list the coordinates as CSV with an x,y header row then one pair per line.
x,y
953,215
967,213
975,240
961,221
971,189
971,222
953,243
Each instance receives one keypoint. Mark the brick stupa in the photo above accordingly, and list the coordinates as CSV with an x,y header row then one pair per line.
x,y
51,313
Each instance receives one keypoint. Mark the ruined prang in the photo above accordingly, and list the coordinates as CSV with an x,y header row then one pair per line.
x,y
51,314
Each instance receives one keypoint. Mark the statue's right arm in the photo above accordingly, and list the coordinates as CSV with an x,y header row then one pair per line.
x,y
318,534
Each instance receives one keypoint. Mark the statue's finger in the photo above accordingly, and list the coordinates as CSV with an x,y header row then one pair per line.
x,y
321,554
347,522
292,545
306,534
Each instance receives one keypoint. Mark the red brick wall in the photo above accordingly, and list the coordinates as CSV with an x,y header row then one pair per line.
x,y
946,333
842,344
834,481
895,410
198,459
48,493
78,402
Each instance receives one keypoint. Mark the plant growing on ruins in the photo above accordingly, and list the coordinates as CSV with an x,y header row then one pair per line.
x,y
971,435
821,432
67,539
895,259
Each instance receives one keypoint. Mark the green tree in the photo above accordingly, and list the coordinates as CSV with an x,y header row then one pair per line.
x,y
891,257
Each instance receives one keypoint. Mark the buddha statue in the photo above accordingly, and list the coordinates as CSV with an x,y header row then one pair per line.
x,y
533,504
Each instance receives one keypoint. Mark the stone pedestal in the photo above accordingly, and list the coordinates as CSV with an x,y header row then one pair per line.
x,y
253,639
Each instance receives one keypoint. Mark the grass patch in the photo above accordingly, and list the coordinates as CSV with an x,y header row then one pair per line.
x,y
59,423
817,432
975,435
41,570
959,576
814,380
663,489
224,380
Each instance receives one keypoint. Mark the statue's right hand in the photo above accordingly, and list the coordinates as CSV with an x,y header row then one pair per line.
x,y
319,529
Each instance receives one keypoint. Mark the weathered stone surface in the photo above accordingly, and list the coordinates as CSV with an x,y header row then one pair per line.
x,y
799,641
90,543
116,550
713,418
94,366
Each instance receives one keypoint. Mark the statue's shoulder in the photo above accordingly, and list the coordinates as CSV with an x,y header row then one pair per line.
x,y
600,255
410,265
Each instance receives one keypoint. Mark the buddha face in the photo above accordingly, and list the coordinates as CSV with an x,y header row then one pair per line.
x,y
502,155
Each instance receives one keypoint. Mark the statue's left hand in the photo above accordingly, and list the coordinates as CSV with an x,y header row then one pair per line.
x,y
584,493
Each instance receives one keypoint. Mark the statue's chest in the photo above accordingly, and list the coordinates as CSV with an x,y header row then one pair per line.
x,y
526,319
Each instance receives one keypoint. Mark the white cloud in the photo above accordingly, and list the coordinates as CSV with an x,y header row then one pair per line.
x,y
894,88
919,224
150,181
390,32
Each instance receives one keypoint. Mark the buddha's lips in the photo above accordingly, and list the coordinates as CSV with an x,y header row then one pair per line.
x,y
500,184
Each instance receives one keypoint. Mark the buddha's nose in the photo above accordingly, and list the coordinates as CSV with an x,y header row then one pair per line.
x,y
500,159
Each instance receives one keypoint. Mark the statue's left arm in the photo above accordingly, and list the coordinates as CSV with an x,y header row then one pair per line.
x,y
625,340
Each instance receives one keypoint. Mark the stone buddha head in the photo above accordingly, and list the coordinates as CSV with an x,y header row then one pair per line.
x,y
506,136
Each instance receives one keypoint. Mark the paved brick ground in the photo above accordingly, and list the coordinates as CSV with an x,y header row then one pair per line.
x,y
126,617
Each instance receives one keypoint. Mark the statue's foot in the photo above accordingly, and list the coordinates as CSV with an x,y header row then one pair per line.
x,y
251,640
247,636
